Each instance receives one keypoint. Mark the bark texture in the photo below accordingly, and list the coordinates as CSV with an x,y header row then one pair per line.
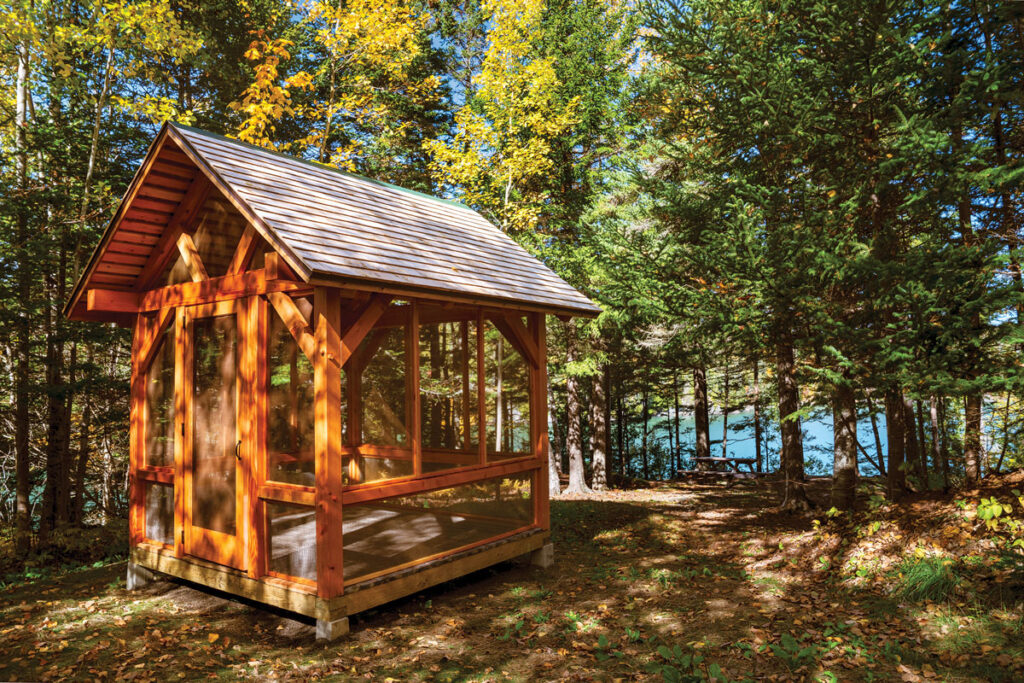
x,y
701,421
896,480
573,432
794,492
844,428
598,435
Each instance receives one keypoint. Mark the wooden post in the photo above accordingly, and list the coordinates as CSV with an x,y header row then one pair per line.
x,y
252,418
539,421
481,388
136,409
464,338
327,387
180,400
412,350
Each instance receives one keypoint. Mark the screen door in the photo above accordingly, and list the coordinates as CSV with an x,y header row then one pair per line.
x,y
213,476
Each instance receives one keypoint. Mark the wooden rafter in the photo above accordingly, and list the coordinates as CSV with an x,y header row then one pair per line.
x,y
189,254
244,251
182,220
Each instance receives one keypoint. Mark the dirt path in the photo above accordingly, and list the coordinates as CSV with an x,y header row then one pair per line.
x,y
672,582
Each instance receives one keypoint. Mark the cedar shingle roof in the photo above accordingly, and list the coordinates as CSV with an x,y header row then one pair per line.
x,y
334,227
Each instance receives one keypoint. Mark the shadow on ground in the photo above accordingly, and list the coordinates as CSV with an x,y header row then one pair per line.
x,y
648,583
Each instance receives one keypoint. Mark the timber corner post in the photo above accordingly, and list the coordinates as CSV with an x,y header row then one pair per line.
x,y
321,418
330,623
544,556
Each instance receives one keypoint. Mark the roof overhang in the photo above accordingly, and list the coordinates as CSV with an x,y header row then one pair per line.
x,y
175,146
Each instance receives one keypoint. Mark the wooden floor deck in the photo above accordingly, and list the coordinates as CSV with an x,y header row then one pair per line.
x,y
380,538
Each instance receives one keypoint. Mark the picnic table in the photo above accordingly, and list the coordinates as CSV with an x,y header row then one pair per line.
x,y
732,463
723,467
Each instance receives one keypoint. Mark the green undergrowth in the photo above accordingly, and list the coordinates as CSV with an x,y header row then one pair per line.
x,y
70,549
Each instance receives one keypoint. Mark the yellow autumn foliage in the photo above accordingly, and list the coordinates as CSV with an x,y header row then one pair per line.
x,y
502,144
371,47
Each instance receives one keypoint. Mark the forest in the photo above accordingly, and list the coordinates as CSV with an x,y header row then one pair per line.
x,y
791,213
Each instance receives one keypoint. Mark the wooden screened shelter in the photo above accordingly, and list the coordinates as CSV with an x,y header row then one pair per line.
x,y
338,390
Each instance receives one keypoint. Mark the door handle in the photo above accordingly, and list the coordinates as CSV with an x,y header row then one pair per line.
x,y
238,455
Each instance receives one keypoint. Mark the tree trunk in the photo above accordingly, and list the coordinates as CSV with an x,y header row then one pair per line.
x,y
677,461
896,481
725,413
24,341
555,449
972,439
944,444
937,459
757,418
598,435
53,486
844,429
643,441
608,421
1006,436
973,403
873,414
620,427
573,433
77,512
922,442
913,448
701,420
792,456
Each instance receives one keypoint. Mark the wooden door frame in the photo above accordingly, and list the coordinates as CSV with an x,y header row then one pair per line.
x,y
197,542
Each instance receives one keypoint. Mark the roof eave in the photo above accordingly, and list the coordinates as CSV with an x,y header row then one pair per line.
x,y
108,234
333,280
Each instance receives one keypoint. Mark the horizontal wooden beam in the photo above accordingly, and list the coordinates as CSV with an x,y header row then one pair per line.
x,y
158,475
376,491
250,283
396,316
283,493
112,301
433,295
287,595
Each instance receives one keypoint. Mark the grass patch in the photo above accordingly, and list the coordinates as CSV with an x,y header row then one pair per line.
x,y
927,578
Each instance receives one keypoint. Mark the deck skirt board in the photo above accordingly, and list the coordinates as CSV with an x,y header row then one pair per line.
x,y
357,597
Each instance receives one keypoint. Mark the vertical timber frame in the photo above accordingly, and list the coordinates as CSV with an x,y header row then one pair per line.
x,y
327,449
136,530
179,431
412,384
252,428
539,421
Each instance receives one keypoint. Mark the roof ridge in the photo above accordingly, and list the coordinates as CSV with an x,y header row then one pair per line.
x,y
317,164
